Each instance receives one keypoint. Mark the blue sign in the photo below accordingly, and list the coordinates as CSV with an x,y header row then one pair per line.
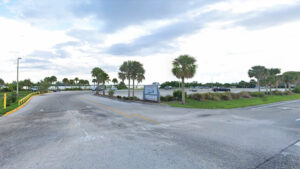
x,y
151,93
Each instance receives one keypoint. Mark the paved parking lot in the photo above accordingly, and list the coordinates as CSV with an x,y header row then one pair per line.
x,y
80,130
164,92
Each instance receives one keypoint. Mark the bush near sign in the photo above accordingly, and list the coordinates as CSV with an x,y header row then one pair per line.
x,y
151,93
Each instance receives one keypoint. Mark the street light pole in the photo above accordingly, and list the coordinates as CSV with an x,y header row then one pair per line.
x,y
18,77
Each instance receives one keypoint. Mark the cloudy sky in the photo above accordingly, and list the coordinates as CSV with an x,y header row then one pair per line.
x,y
67,38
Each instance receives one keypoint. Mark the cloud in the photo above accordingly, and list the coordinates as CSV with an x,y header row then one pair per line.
x,y
59,53
160,40
88,35
118,14
66,44
271,17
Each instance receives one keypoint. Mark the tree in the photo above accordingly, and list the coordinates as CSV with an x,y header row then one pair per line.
x,y
94,81
137,70
290,78
140,78
258,72
65,81
122,76
1,82
27,83
272,79
126,70
52,79
86,82
81,82
104,78
96,73
76,80
184,67
71,82
115,81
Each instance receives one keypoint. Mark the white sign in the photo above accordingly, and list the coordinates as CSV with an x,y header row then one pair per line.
x,y
151,93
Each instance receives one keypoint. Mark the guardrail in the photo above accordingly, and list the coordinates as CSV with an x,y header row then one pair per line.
x,y
23,100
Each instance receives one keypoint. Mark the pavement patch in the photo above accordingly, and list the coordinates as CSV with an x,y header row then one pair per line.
x,y
122,113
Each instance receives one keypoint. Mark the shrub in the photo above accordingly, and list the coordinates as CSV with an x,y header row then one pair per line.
x,y
297,89
119,97
133,98
278,93
215,98
111,92
235,95
13,97
225,96
257,94
245,95
125,98
197,96
177,94
288,93
208,96
166,98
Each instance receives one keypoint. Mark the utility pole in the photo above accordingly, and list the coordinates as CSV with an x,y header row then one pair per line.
x,y
18,76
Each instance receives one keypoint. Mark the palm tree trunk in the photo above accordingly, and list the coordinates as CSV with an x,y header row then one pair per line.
x,y
128,87
183,92
258,84
289,86
97,89
103,88
133,87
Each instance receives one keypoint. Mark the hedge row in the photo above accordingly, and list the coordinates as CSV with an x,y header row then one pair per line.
x,y
220,96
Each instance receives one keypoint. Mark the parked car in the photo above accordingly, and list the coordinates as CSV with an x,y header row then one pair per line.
x,y
34,89
221,89
100,88
168,87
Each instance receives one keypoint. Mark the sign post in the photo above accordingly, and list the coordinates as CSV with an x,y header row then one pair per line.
x,y
4,100
151,93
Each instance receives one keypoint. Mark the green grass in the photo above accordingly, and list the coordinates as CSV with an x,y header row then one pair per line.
x,y
233,103
12,105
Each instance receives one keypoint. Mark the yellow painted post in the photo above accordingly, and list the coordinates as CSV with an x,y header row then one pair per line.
x,y
4,99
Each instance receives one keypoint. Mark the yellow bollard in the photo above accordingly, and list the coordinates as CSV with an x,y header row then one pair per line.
x,y
4,100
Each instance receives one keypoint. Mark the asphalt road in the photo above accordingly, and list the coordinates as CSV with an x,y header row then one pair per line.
x,y
79,130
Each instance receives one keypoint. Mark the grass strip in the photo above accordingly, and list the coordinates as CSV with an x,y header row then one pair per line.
x,y
236,103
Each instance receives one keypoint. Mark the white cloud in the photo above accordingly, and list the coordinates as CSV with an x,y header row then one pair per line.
x,y
224,51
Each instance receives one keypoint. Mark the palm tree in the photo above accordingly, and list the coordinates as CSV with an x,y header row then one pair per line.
x,y
122,76
184,67
76,79
137,69
115,81
104,78
290,78
272,78
53,79
126,70
94,81
65,81
96,73
258,72
71,82
140,78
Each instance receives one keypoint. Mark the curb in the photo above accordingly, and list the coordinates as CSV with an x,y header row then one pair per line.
x,y
24,104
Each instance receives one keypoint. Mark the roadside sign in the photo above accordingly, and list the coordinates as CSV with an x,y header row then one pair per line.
x,y
151,93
